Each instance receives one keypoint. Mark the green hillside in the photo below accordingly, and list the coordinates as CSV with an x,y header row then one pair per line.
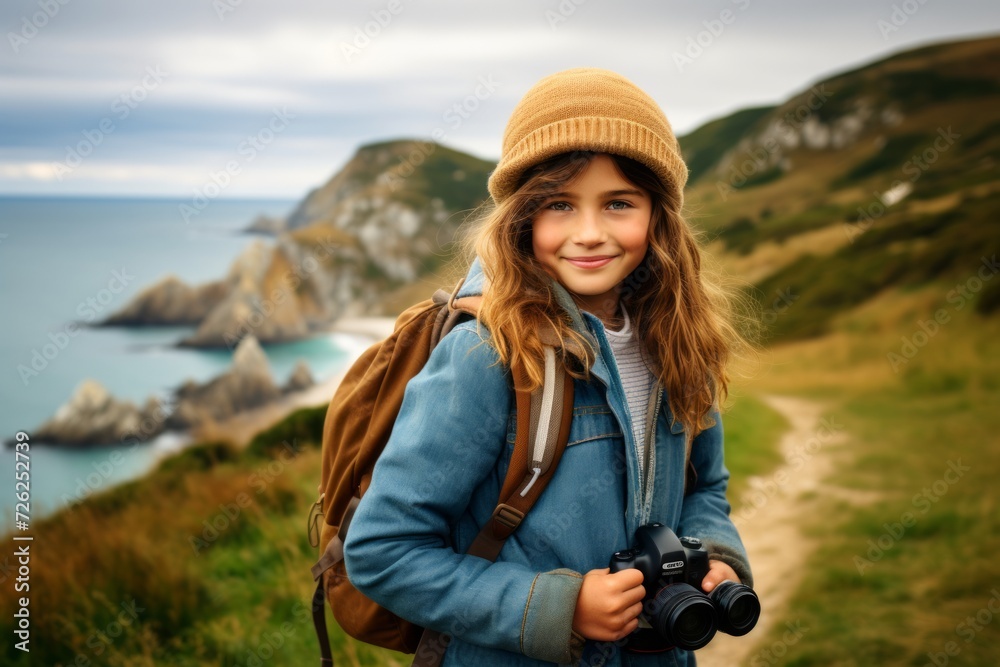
x,y
910,195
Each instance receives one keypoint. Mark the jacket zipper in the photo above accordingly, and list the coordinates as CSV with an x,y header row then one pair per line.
x,y
649,456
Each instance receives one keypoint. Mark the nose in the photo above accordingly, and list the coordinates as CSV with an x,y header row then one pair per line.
x,y
589,229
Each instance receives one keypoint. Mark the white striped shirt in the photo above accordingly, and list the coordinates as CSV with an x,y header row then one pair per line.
x,y
636,378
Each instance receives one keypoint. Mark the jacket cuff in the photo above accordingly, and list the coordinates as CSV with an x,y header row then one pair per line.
x,y
731,557
547,627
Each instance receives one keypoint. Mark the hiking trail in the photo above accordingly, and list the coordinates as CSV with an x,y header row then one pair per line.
x,y
771,518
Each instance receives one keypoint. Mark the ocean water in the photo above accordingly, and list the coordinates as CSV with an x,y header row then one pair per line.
x,y
77,260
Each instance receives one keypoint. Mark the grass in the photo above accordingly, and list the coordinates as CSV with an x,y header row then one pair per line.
x,y
752,430
895,580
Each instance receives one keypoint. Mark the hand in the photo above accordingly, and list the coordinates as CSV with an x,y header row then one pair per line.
x,y
608,606
717,573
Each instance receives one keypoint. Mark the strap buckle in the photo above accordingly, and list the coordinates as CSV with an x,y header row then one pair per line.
x,y
507,516
312,522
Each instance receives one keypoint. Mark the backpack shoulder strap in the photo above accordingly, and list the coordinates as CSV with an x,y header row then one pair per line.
x,y
543,422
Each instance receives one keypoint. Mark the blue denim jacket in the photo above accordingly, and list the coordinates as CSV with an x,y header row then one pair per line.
x,y
439,479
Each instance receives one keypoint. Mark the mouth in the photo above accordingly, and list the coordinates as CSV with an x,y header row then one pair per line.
x,y
594,262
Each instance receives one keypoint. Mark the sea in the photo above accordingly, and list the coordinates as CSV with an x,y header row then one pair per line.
x,y
69,262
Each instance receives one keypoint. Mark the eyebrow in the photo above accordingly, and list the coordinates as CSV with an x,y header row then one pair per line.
x,y
603,195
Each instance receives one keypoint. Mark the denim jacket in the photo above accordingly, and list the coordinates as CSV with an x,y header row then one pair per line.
x,y
439,477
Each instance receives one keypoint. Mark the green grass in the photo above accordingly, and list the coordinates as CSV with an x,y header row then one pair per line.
x,y
948,245
752,431
895,579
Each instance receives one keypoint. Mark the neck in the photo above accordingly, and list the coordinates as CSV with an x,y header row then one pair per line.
x,y
608,313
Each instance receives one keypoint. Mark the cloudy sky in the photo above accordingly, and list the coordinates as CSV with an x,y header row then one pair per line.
x,y
136,97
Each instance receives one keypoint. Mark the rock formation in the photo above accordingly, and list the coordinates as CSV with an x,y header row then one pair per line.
x,y
247,384
301,378
93,417
170,301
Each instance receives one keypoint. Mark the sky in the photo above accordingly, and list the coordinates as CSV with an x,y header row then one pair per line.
x,y
268,99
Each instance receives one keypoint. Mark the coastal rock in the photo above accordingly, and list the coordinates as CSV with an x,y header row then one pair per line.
x,y
301,378
247,384
170,302
402,201
92,416
265,224
263,302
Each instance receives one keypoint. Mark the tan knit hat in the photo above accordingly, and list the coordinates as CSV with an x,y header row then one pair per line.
x,y
587,108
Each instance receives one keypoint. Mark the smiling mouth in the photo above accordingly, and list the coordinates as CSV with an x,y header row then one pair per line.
x,y
590,262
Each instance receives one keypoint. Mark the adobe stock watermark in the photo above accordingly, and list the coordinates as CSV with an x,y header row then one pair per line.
x,y
248,149
454,116
968,629
364,34
961,294
268,644
762,490
699,43
898,17
223,7
773,654
101,640
59,340
922,502
121,108
782,301
760,156
914,168
37,21
564,10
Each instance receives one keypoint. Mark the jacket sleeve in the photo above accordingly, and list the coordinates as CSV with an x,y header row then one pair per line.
x,y
705,513
449,434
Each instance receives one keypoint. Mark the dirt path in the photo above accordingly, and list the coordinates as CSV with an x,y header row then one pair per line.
x,y
771,517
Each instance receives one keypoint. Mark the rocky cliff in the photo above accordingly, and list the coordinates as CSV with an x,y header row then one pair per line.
x,y
388,217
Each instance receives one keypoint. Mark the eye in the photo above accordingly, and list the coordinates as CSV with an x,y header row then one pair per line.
x,y
624,204
556,204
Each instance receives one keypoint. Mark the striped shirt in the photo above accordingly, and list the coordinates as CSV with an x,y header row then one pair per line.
x,y
637,379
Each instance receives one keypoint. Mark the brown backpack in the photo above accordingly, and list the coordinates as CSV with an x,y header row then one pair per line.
x,y
358,423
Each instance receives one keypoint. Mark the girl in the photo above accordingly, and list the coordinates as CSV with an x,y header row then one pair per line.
x,y
586,237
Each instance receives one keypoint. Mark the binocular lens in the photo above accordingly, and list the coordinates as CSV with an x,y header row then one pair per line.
x,y
739,608
683,616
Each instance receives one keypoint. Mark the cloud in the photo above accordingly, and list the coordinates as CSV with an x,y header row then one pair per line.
x,y
353,73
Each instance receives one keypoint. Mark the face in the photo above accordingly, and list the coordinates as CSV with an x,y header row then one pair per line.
x,y
592,234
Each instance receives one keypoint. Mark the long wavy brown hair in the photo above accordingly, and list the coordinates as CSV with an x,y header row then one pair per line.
x,y
690,326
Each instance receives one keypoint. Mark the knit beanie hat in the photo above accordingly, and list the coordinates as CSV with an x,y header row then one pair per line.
x,y
587,108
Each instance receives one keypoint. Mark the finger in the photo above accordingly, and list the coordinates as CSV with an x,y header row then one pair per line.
x,y
628,579
629,628
711,580
633,595
717,573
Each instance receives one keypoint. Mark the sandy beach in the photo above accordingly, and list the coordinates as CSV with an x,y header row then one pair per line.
x,y
241,428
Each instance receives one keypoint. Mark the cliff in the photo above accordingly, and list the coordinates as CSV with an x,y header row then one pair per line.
x,y
386,219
